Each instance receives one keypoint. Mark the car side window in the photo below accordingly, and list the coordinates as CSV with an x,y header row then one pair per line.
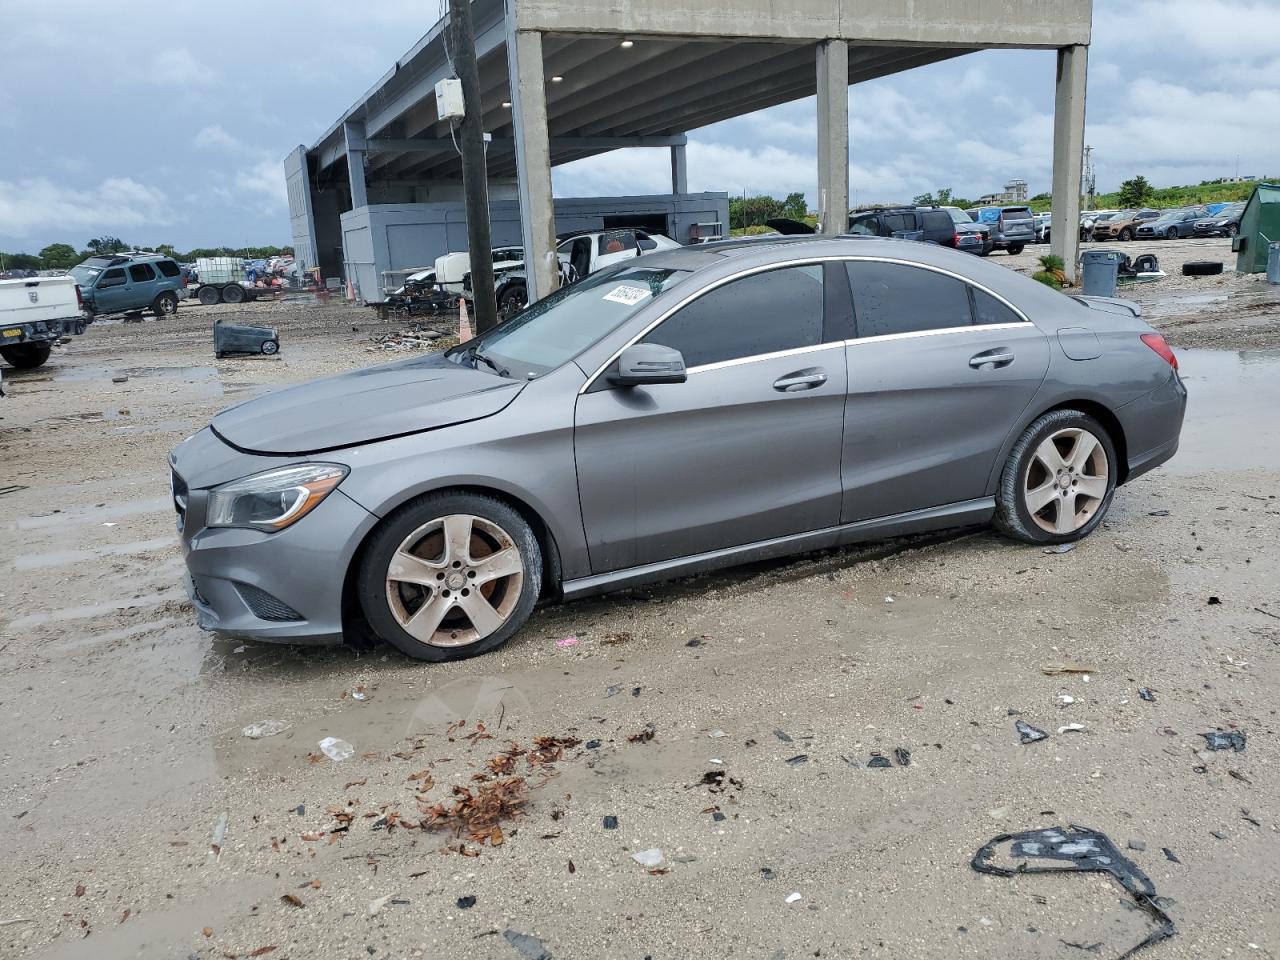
x,y
763,313
894,222
112,278
891,298
644,242
987,309
141,273
168,268
864,227
617,241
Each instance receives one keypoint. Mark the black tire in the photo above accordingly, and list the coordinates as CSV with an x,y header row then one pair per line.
x,y
165,305
233,293
514,299
386,540
270,347
1013,518
1015,249
26,356
1126,235
1171,233
208,295
985,251
1202,268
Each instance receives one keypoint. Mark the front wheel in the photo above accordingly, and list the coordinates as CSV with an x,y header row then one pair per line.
x,y
514,299
1015,249
1058,481
1126,234
450,576
1232,230
1171,233
165,305
26,356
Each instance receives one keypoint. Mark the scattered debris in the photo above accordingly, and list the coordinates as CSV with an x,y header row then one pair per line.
x,y
612,639
611,822
697,642
878,762
717,781
531,948
1218,740
767,873
1170,855
612,690
1147,694
467,902
648,858
717,734
1060,548
782,735
1067,666
477,814
336,749
375,907
567,642
219,835
1071,728
644,736
264,728
1028,733
292,900
1157,513
1214,602
798,759
1138,845
1267,612
1066,698
122,378
902,755
1077,849
794,897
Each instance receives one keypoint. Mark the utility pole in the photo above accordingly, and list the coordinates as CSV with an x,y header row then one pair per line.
x,y
475,174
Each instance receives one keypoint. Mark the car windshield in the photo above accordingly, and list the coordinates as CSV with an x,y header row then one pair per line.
x,y
86,273
958,215
557,328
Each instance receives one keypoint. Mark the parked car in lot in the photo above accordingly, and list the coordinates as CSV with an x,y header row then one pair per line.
x,y
122,282
1224,223
35,312
1089,219
1122,225
1042,223
945,226
688,410
1012,228
1171,224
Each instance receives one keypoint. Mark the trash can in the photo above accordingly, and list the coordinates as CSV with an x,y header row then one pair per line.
x,y
1100,268
1273,262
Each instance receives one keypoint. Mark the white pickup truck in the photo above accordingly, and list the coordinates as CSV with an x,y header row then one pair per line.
x,y
34,314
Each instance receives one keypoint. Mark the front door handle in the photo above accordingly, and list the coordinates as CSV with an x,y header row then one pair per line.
x,y
801,380
999,357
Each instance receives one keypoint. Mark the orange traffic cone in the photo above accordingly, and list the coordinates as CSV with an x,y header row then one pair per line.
x,y
465,332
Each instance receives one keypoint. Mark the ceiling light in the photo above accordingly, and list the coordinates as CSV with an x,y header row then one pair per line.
x,y
627,44
556,79
506,104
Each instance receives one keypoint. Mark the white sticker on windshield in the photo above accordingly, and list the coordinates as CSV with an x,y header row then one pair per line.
x,y
627,294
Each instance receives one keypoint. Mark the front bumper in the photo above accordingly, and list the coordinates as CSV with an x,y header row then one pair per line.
x,y
285,586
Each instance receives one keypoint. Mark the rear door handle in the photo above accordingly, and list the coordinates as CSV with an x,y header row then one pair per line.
x,y
999,357
801,380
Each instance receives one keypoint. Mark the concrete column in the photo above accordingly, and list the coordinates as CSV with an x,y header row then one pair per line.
x,y
679,170
1068,156
354,131
533,159
833,137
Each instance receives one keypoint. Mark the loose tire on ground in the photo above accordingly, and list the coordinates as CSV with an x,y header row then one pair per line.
x,y
26,356
415,541
208,295
1202,268
165,305
233,293
1024,475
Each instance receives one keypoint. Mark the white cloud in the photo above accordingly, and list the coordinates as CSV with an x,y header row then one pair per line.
x,y
178,66
264,179
216,136
39,204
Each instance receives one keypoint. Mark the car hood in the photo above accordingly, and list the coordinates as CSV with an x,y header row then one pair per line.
x,y
362,406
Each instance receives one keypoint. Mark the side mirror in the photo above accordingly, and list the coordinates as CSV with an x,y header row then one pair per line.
x,y
644,363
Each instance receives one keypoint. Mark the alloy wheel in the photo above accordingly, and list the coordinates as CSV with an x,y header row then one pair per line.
x,y
1066,480
454,580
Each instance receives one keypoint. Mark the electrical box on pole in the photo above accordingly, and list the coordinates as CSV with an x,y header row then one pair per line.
x,y
449,102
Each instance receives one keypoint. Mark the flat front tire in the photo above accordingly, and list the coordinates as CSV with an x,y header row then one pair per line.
x,y
1059,480
450,576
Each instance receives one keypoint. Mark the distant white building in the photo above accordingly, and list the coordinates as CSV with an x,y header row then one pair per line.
x,y
1015,191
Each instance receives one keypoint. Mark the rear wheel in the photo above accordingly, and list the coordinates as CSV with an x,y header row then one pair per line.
x,y
1015,249
208,295
233,293
165,305
26,356
270,347
450,576
1059,480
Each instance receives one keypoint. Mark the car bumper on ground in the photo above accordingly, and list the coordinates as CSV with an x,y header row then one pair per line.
x,y
284,586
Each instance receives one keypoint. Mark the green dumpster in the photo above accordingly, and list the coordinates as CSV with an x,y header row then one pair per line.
x,y
1259,226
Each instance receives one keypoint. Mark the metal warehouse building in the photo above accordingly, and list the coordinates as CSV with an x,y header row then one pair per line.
x,y
381,190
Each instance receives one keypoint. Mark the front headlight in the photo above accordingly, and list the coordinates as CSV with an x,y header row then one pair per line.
x,y
275,499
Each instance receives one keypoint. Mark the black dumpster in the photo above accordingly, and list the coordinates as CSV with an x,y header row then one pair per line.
x,y
230,339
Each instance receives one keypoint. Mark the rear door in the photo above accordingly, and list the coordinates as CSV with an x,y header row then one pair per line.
x,y
747,449
939,373
142,280
614,246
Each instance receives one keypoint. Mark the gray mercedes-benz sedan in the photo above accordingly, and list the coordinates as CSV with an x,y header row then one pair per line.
x,y
682,411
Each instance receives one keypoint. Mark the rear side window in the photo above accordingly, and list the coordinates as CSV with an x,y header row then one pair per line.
x,y
763,313
168,268
894,222
141,273
987,309
937,220
891,298
617,241
865,227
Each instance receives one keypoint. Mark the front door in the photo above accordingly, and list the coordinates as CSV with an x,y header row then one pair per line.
x,y
111,292
747,449
939,374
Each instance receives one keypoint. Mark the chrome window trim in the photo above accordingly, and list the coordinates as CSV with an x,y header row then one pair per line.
x,y
759,357
801,263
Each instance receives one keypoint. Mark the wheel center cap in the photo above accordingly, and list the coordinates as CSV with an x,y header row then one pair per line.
x,y
455,581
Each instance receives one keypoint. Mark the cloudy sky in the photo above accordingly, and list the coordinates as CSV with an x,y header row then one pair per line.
x,y
160,126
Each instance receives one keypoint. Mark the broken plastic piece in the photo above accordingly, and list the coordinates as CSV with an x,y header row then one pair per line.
x,y
1170,855
798,759
1147,694
782,735
1217,740
878,762
466,903
902,755
1077,849
611,822
531,948
336,749
1071,728
648,858
1060,548
567,642
1027,733
264,728
794,897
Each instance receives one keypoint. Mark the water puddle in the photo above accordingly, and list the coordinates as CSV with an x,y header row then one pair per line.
x,y
1231,424
67,558
94,610
84,516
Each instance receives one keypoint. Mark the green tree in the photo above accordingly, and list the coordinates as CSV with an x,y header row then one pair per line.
x,y
18,261
107,244
795,206
1135,192
943,199
58,256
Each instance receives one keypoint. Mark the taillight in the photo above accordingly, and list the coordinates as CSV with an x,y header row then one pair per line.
x,y
955,239
1156,343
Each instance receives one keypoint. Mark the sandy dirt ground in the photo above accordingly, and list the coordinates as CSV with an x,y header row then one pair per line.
x,y
729,721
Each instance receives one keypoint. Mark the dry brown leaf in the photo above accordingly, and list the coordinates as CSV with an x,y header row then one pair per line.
x,y
79,889
177,843
126,914
495,837
314,884
1067,666
262,951
292,899
207,931
313,835
356,783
